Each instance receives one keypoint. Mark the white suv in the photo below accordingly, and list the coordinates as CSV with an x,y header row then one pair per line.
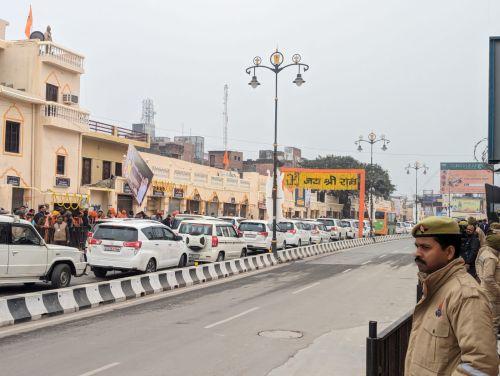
x,y
212,240
296,235
349,227
258,235
26,258
142,245
337,232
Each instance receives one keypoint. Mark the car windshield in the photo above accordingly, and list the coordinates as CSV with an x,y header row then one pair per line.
x,y
124,234
196,229
345,224
286,225
252,226
327,222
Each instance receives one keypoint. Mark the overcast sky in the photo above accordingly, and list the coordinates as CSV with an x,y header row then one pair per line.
x,y
416,71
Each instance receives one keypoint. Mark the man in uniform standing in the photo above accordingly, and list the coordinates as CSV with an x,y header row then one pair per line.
x,y
452,331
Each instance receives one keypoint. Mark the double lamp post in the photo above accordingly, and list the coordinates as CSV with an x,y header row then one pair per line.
x,y
276,59
372,140
416,166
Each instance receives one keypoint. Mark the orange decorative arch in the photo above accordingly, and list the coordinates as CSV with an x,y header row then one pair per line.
x,y
62,151
328,179
16,173
13,113
52,79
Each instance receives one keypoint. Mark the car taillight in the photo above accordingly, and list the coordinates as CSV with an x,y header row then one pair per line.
x,y
93,241
264,234
334,228
90,234
292,231
315,231
136,244
215,241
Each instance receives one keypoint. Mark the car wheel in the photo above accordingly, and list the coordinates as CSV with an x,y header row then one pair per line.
x,y
220,257
151,266
99,272
183,261
243,253
310,241
61,276
284,245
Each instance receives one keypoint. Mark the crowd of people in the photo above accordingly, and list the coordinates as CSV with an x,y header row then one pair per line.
x,y
70,227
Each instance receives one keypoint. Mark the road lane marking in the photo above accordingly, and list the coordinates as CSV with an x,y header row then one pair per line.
x,y
382,255
232,317
305,288
345,271
366,262
96,371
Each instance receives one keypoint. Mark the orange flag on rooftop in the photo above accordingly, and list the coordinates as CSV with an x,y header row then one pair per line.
x,y
225,162
29,23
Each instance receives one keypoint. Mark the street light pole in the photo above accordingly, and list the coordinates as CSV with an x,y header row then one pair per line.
x,y
276,60
372,139
416,166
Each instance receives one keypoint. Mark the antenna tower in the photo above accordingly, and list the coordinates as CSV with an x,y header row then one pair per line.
x,y
224,116
148,116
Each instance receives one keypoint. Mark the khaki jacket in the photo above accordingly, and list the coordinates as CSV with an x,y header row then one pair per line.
x,y
481,235
488,271
452,331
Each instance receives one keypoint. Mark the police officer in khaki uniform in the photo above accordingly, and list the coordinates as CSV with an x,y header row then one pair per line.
x,y
452,331
488,272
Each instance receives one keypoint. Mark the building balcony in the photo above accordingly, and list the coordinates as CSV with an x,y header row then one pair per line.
x,y
61,57
112,133
66,117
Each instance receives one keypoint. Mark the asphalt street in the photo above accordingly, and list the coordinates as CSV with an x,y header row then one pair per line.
x,y
308,317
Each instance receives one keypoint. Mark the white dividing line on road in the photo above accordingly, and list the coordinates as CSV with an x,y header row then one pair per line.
x,y
382,255
232,317
96,371
366,262
305,288
345,271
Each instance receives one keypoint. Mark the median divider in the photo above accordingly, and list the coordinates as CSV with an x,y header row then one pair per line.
x,y
34,306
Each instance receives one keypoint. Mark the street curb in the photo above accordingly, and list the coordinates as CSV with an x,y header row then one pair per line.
x,y
34,306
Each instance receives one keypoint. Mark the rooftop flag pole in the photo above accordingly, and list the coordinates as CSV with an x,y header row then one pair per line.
x,y
29,23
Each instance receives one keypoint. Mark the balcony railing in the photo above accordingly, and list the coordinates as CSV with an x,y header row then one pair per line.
x,y
60,111
60,54
96,126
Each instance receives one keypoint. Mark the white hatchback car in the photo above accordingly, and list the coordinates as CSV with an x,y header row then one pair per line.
x,y
349,226
337,232
142,245
212,240
319,232
296,235
258,235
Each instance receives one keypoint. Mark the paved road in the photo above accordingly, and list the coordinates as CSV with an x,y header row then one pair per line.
x,y
328,301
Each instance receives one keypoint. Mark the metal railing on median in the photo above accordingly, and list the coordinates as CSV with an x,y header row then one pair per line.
x,y
386,351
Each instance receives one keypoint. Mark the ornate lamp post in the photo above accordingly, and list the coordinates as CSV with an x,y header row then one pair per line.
x,y
372,140
276,67
416,166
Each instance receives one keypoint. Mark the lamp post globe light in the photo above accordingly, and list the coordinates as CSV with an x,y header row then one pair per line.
x,y
372,140
416,166
276,59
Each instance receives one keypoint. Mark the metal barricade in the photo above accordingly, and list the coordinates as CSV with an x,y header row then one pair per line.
x,y
386,351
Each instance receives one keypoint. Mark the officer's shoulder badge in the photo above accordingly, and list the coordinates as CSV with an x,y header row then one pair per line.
x,y
439,310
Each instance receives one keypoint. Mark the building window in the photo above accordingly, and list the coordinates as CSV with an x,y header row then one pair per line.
x,y
212,160
61,165
12,137
86,171
118,169
106,170
51,92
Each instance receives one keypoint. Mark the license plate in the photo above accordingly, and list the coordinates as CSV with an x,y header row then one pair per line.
x,y
112,248
194,257
250,235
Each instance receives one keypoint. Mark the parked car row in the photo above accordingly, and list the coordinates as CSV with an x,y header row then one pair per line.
x,y
147,245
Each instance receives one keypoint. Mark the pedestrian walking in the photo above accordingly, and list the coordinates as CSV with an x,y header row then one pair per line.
x,y
42,211
61,231
168,221
452,330
469,249
488,272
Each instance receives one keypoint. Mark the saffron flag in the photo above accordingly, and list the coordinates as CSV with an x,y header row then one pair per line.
x,y
29,23
225,162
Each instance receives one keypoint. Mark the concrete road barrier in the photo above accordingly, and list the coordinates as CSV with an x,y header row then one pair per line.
x,y
34,306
